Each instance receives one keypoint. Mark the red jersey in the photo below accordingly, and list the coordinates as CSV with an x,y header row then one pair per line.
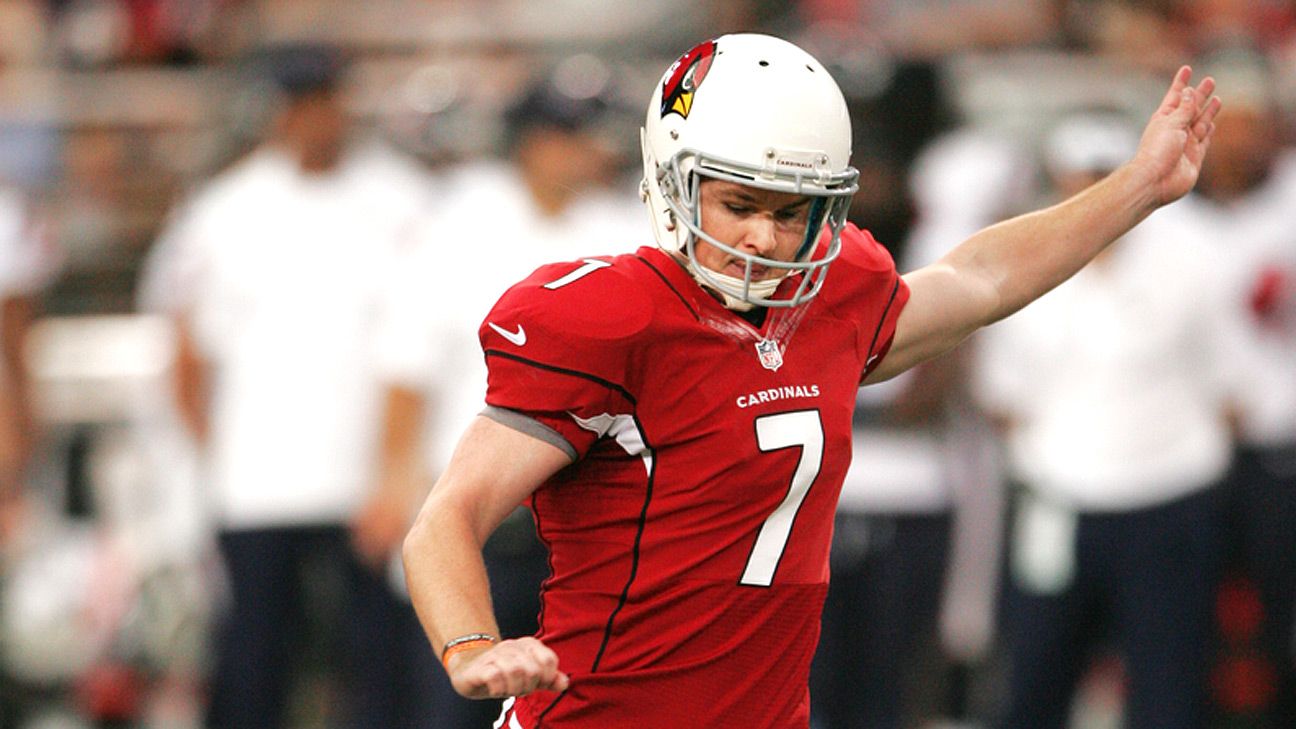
x,y
689,538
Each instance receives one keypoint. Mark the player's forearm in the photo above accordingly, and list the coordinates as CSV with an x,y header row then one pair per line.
x,y
446,576
494,468
1008,265
1023,258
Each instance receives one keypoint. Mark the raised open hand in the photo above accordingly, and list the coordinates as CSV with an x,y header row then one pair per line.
x,y
1175,140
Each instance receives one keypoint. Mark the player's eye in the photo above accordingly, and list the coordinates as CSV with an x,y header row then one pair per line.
x,y
791,215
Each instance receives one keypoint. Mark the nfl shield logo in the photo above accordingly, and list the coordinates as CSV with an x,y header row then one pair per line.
x,y
770,356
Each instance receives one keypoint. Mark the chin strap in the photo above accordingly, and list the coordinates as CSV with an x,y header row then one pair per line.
x,y
730,288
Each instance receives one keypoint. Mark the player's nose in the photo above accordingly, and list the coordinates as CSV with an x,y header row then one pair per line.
x,y
760,235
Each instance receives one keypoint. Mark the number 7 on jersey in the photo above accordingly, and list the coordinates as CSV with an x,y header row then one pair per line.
x,y
804,430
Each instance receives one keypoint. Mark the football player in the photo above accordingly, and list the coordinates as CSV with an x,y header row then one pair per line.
x,y
679,419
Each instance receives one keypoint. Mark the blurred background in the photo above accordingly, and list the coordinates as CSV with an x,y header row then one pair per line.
x,y
209,207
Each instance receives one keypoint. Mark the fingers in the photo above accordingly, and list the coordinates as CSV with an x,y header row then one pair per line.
x,y
510,668
1204,91
1193,102
1205,121
1196,108
1175,94
1206,107
1209,108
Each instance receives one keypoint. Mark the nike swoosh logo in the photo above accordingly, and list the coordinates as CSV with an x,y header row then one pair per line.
x,y
518,337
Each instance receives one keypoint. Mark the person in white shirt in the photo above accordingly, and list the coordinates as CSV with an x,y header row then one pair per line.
x,y
274,273
917,504
1250,185
551,199
1115,389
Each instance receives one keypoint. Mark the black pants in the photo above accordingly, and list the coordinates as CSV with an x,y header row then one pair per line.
x,y
1262,545
887,572
1145,579
300,593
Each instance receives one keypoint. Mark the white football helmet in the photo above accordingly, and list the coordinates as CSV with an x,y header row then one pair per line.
x,y
760,111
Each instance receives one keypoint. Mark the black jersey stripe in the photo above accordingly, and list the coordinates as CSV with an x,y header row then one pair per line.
x,y
539,529
565,371
634,570
634,554
670,286
895,289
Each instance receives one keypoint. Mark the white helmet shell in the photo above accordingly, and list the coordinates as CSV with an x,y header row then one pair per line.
x,y
760,111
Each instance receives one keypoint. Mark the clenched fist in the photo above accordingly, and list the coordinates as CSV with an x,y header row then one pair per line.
x,y
508,668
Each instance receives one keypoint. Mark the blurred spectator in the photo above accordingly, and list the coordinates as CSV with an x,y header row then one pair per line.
x,y
1217,24
1114,393
273,272
1251,181
22,31
896,108
29,122
103,32
1160,34
92,204
26,265
550,201
917,469
1133,33
891,540
937,28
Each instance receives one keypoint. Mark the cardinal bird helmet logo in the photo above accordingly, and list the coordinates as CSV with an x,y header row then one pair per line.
x,y
685,76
